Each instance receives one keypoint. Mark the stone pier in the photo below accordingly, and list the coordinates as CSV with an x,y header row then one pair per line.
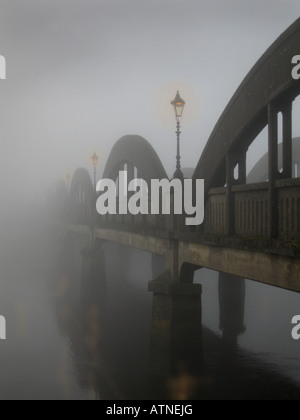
x,y
176,333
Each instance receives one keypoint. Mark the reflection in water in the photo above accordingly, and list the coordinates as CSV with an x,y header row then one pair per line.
x,y
86,334
108,326
183,386
232,307
83,320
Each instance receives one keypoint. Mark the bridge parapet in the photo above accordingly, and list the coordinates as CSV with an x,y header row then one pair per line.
x,y
138,223
251,209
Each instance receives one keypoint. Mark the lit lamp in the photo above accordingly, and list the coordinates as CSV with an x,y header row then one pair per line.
x,y
178,105
68,179
95,160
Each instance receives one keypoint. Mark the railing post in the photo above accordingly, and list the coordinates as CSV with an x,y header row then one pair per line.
x,y
174,242
234,158
130,177
287,140
92,213
229,194
242,168
273,171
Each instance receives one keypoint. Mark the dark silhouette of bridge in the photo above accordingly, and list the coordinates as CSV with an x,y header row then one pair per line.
x,y
251,230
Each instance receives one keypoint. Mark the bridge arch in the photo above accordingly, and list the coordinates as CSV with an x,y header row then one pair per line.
x,y
268,89
259,173
138,156
81,197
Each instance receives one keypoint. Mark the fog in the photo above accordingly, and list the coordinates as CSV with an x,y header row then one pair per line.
x,y
80,75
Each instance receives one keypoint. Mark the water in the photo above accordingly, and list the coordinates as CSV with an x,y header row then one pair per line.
x,y
68,340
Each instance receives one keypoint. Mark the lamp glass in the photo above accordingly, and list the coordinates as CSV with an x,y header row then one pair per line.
x,y
95,159
178,105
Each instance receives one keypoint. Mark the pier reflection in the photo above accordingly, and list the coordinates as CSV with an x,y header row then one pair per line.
x,y
232,291
81,317
123,346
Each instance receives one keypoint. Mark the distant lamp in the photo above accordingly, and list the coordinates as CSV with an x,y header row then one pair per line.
x,y
95,160
178,105
68,179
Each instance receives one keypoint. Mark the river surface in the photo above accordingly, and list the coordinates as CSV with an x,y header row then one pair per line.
x,y
67,340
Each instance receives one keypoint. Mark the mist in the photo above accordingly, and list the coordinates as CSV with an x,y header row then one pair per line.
x,y
80,74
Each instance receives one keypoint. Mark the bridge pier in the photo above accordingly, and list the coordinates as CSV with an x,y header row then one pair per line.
x,y
176,333
158,265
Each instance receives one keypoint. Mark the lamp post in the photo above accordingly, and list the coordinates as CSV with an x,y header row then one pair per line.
x,y
95,160
178,105
68,179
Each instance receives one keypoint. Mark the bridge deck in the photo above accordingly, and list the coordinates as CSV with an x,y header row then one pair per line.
x,y
266,266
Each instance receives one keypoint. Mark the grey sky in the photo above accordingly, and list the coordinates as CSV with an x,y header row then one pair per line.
x,y
82,73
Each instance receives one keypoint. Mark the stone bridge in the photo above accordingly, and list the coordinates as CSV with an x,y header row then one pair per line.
x,y
250,230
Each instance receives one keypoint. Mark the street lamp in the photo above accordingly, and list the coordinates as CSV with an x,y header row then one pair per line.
x,y
68,179
178,105
95,160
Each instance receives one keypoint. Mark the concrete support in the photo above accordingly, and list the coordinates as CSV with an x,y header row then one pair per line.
x,y
187,273
172,261
158,265
273,269
176,334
